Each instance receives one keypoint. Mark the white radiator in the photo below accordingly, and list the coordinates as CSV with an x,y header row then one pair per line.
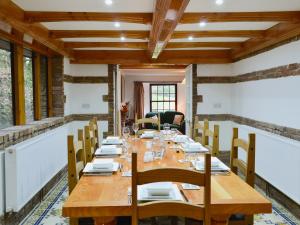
x,y
29,165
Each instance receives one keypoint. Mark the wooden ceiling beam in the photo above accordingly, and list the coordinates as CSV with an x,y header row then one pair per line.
x,y
241,17
14,15
139,45
219,33
172,45
176,8
133,57
154,66
159,16
135,34
40,16
273,36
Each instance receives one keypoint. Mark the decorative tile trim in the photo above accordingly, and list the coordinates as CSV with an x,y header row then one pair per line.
x,y
272,73
269,189
287,132
85,79
16,218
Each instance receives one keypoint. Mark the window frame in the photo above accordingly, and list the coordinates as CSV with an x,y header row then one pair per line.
x,y
163,84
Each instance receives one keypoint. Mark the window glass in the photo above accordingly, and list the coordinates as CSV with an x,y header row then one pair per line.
x,y
6,98
43,80
163,97
28,79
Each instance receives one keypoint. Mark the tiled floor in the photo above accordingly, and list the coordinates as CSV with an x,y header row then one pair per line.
x,y
49,211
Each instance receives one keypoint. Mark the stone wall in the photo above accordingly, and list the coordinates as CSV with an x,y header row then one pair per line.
x,y
57,86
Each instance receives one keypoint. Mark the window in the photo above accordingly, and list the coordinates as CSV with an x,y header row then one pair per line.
x,y
6,99
44,87
28,79
163,97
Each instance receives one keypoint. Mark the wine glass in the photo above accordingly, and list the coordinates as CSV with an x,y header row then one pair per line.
x,y
135,128
126,133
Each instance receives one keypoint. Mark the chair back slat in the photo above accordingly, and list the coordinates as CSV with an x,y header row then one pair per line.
x,y
214,147
171,208
142,121
88,145
200,128
240,143
171,174
178,209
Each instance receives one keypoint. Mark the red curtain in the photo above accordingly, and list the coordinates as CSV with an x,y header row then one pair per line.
x,y
139,99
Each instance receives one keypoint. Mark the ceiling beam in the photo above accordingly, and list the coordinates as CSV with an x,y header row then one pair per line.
x,y
241,17
14,15
153,66
159,16
172,45
146,18
176,8
133,57
135,34
40,16
273,36
219,33
138,45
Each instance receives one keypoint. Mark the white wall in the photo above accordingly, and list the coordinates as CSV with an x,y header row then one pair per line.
x,y
147,79
86,98
272,100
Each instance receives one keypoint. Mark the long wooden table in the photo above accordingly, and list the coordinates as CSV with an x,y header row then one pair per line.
x,y
105,197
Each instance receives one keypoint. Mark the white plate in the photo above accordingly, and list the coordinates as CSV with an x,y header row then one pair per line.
x,y
220,168
100,152
114,142
143,194
90,170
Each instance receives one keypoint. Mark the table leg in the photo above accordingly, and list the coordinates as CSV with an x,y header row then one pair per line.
x,y
219,220
105,221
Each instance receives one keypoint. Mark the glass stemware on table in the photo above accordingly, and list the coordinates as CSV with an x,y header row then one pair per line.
x,y
126,135
135,128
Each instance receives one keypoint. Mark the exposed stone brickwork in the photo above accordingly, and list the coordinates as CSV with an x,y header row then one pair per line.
x,y
57,86
112,70
287,132
85,79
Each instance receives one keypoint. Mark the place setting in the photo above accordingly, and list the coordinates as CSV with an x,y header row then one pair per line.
x,y
103,167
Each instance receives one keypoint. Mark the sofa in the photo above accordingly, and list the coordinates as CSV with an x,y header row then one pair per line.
x,y
166,117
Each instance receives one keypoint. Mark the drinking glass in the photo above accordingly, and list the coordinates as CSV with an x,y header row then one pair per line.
x,y
135,128
126,133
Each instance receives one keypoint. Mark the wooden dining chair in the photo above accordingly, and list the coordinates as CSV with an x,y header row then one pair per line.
x,y
143,121
199,128
246,168
80,156
212,136
171,208
95,130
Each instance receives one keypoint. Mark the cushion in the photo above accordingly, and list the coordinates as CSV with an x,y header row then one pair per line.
x,y
177,119
154,117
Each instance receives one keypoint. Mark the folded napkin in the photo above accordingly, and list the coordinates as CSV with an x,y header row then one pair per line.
x,y
112,140
159,188
108,148
195,145
147,135
180,138
103,164
215,162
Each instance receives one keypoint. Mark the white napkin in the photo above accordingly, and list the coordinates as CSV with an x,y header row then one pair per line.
x,y
108,148
101,164
195,145
112,140
180,138
215,162
147,135
159,188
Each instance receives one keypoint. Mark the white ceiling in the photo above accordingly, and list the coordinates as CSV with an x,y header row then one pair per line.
x,y
86,5
154,72
212,39
227,26
243,5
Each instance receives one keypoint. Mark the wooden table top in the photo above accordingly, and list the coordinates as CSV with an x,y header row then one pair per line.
x,y
100,196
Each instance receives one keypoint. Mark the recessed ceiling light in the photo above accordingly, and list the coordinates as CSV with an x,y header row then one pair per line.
x,y
190,38
123,38
219,2
108,2
117,24
202,23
